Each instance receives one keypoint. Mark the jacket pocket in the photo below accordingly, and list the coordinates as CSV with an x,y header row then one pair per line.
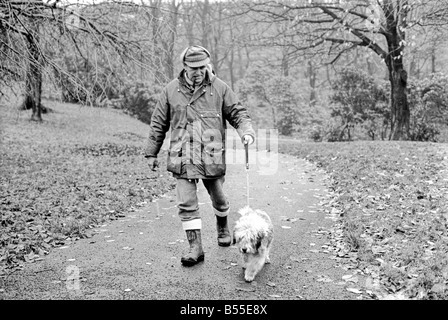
x,y
174,161
215,170
211,120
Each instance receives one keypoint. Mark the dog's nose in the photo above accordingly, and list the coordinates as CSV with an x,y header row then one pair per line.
x,y
244,250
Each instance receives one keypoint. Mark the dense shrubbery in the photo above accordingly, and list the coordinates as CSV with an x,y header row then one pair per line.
x,y
358,99
276,102
86,84
106,88
138,100
281,94
428,102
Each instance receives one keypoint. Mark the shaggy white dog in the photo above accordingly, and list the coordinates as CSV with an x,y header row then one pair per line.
x,y
253,233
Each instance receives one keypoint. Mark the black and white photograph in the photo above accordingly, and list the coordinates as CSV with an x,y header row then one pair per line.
x,y
224,158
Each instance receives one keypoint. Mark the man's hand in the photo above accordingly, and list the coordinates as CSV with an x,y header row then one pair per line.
x,y
153,163
247,139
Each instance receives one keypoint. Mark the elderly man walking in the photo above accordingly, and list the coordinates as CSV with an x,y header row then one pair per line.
x,y
195,107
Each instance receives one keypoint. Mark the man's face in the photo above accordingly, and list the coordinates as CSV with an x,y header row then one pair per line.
x,y
195,74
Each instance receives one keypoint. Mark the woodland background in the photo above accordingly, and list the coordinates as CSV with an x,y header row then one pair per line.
x,y
325,70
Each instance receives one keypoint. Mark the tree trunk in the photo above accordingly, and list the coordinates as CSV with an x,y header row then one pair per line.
x,y
370,66
311,73
240,63
285,62
398,77
33,81
169,61
189,19
413,72
231,59
400,113
433,60
159,76
205,22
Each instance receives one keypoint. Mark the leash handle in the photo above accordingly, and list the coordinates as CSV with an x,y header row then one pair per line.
x,y
246,147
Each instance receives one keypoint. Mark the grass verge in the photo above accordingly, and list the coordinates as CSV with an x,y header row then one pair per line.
x,y
392,199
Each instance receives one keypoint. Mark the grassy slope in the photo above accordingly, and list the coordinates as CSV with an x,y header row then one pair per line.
x,y
80,167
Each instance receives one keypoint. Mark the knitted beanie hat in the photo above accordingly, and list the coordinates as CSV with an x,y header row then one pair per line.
x,y
195,56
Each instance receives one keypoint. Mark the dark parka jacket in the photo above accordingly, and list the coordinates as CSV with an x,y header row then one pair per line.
x,y
197,120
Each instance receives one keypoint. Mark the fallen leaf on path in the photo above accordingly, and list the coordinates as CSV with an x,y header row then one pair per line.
x,y
127,290
270,284
233,264
395,296
352,279
245,289
286,227
354,290
324,279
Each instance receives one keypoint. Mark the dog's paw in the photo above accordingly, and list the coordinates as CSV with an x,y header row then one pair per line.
x,y
248,278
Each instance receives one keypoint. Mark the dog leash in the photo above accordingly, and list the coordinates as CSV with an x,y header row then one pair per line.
x,y
246,147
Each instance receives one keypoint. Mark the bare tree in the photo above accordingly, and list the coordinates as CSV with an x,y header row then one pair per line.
x,y
170,40
36,33
332,28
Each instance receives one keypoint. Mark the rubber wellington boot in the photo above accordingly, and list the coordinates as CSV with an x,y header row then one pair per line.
x,y
223,231
196,254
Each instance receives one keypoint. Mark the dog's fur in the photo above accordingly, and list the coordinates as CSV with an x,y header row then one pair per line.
x,y
253,233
